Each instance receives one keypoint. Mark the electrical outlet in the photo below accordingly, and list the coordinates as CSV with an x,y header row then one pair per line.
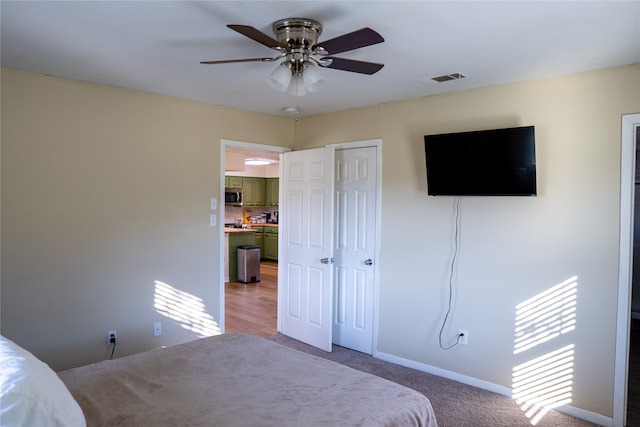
x,y
157,329
463,336
109,334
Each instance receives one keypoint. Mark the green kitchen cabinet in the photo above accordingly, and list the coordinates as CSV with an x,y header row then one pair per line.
x,y
233,181
235,240
253,191
270,240
259,239
260,193
271,191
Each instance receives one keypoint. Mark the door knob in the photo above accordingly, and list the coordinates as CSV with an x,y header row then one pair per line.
x,y
325,260
368,261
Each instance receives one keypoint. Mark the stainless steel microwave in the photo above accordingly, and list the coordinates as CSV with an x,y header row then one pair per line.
x,y
233,196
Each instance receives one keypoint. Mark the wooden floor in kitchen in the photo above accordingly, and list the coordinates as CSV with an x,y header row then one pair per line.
x,y
252,307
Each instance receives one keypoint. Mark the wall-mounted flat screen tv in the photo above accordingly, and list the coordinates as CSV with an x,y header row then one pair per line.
x,y
497,162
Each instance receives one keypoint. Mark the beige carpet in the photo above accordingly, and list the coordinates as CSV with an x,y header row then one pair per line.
x,y
455,404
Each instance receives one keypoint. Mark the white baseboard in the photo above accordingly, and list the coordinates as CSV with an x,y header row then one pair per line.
x,y
495,388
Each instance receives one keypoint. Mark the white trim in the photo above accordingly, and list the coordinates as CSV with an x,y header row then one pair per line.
x,y
280,245
224,143
357,144
377,143
495,388
623,321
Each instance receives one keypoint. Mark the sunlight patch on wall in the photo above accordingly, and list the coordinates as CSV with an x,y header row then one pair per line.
x,y
186,309
546,316
546,381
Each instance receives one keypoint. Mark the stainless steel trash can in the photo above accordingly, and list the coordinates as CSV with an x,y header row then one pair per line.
x,y
248,263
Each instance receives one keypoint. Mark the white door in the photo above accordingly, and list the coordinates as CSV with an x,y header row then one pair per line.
x,y
354,243
305,269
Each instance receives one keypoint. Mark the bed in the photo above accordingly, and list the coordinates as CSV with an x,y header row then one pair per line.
x,y
239,380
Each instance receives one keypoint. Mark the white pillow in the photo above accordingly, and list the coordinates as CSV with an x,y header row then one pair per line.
x,y
31,394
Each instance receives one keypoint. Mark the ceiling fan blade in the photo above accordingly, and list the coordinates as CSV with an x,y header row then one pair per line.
x,y
256,35
354,40
351,65
231,61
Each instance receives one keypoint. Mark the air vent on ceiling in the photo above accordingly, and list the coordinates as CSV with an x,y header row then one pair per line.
x,y
448,77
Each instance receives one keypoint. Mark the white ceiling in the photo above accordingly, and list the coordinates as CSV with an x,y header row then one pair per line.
x,y
156,46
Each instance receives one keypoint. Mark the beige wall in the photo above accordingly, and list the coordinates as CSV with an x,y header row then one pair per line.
x,y
105,213
512,248
105,191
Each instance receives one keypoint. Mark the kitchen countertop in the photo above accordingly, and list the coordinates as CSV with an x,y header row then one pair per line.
x,y
249,228
238,230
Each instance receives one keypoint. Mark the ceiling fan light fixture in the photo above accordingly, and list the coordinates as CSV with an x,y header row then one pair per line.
x,y
297,42
297,86
313,78
280,78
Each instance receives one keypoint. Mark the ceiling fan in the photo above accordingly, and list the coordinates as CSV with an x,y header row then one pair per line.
x,y
301,53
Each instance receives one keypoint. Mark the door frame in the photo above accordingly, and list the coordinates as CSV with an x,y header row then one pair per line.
x,y
623,321
224,144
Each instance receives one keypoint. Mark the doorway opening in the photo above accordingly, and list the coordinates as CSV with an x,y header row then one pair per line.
x,y
249,307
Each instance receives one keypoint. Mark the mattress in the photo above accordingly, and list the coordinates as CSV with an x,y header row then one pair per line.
x,y
239,380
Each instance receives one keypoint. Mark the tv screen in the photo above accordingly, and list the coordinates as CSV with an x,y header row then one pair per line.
x,y
497,162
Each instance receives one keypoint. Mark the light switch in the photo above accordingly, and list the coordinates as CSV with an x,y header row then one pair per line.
x,y
214,204
212,220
